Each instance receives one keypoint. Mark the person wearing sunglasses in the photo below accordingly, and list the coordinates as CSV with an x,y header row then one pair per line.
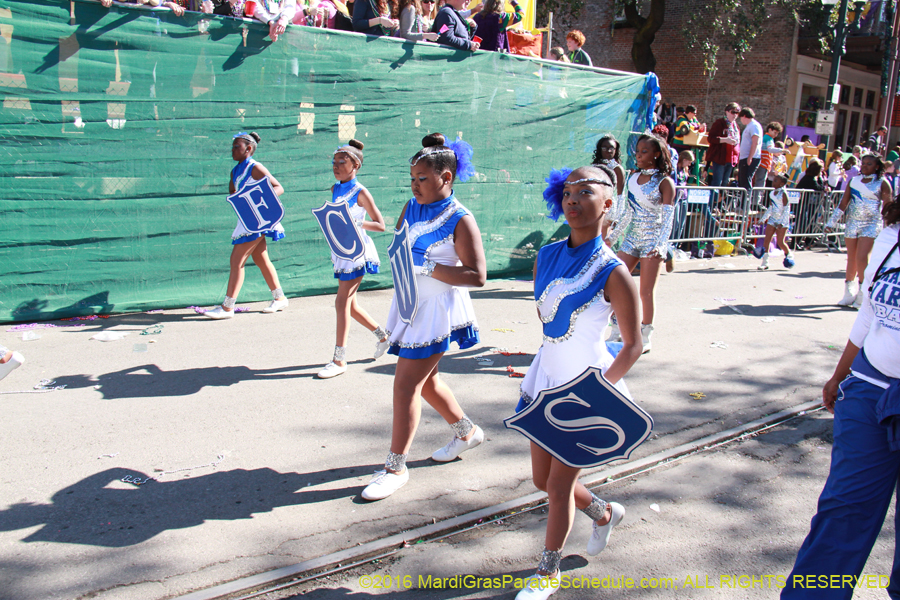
x,y
428,13
412,21
864,396
724,149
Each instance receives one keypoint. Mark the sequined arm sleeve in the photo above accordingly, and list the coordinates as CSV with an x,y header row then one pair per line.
x,y
665,230
621,226
836,215
770,212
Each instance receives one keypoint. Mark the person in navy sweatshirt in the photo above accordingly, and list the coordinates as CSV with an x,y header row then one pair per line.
x,y
450,26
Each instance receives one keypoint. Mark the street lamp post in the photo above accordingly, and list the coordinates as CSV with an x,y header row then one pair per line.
x,y
838,49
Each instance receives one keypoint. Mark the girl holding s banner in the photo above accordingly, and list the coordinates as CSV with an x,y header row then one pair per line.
x,y
578,282
448,258
245,244
346,163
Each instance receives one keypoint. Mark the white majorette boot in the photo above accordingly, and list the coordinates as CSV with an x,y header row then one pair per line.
x,y
646,332
850,292
857,302
764,265
15,361
279,302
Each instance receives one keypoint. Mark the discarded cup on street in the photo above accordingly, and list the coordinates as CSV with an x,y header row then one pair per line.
x,y
29,336
109,336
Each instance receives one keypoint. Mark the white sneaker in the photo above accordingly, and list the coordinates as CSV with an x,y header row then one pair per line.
x,y
457,446
381,347
276,305
15,361
385,483
764,265
218,313
850,293
646,332
539,587
857,302
600,534
332,369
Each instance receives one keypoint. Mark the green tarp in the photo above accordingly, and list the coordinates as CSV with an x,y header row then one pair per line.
x,y
117,127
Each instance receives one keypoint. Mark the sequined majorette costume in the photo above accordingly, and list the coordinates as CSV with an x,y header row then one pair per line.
x,y
864,212
444,312
778,214
569,290
241,177
346,270
646,222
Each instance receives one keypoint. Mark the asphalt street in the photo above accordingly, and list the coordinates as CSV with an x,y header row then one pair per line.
x,y
248,463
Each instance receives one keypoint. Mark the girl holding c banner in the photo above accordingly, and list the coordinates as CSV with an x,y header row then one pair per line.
x,y
448,258
246,244
585,273
346,163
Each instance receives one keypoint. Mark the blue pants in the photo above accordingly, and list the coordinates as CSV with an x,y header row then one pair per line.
x,y
855,500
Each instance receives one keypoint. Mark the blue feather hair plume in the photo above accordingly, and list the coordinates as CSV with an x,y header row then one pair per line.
x,y
556,181
463,151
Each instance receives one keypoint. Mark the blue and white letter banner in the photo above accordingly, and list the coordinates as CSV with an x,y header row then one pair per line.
x,y
340,230
406,292
584,423
257,206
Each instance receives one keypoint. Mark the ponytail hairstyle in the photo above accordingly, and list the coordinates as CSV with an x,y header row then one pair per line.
x,y
354,149
455,157
597,155
664,160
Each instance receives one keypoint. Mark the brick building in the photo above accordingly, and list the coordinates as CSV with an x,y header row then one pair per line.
x,y
780,78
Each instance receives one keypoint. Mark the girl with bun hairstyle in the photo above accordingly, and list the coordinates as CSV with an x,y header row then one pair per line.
x,y
448,258
647,222
246,244
578,282
346,163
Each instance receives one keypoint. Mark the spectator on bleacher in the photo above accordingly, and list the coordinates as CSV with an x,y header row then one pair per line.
x,y
492,23
226,8
277,15
428,13
724,138
751,148
312,13
834,169
877,141
893,155
851,170
412,23
455,33
574,42
768,152
373,17
685,124
558,54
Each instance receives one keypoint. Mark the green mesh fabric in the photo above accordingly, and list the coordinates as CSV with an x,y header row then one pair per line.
x,y
117,127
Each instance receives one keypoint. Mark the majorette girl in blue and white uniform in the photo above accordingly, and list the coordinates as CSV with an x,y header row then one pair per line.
x,y
246,244
864,396
647,223
863,201
578,282
608,154
448,257
346,163
778,220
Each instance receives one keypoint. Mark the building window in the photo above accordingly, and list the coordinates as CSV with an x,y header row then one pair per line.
x,y
870,100
857,96
845,94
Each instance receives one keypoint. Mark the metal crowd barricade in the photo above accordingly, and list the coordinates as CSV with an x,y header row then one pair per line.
x,y
810,211
707,214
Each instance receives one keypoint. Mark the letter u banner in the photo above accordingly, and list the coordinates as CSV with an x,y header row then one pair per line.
x,y
584,423
257,206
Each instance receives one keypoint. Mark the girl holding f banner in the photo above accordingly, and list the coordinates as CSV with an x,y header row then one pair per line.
x,y
448,258
346,163
577,283
246,244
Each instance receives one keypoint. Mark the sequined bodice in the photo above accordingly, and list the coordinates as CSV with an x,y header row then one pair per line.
x,y
645,198
865,197
348,192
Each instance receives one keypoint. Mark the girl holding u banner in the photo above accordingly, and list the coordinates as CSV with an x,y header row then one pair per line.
x,y
245,244
578,282
448,258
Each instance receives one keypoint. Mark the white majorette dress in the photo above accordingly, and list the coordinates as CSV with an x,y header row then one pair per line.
x,y
645,204
569,290
242,176
444,311
864,212
778,214
346,270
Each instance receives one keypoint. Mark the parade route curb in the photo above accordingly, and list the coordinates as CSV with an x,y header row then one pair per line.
x,y
375,549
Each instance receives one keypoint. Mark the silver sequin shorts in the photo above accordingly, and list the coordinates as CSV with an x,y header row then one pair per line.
x,y
867,227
